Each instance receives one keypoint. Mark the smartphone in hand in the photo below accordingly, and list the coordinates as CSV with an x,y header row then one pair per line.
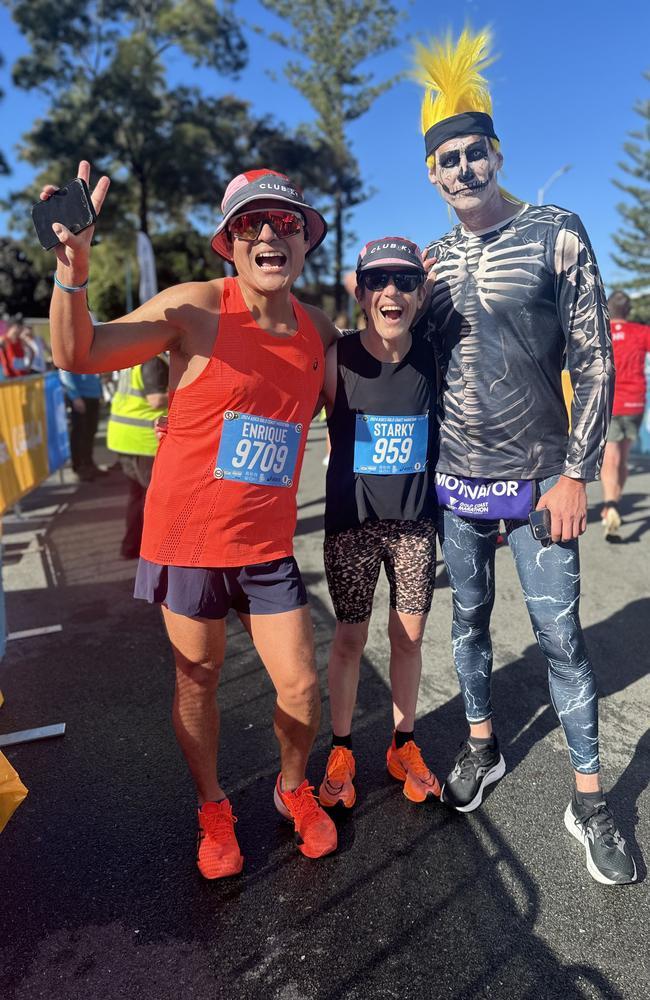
x,y
540,525
71,206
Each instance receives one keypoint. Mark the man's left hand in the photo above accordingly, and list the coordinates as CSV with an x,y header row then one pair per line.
x,y
567,502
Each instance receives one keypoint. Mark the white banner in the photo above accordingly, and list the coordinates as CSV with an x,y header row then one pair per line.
x,y
148,284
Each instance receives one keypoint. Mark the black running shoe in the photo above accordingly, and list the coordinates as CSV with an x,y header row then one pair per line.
x,y
608,859
473,771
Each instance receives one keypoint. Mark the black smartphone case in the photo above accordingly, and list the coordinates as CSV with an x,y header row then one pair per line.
x,y
540,523
70,205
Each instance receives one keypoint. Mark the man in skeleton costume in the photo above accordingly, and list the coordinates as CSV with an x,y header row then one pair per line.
x,y
517,292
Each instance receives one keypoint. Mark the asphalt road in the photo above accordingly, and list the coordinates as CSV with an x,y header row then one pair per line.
x,y
99,894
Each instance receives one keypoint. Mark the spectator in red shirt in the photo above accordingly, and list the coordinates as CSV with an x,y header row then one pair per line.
x,y
15,355
631,343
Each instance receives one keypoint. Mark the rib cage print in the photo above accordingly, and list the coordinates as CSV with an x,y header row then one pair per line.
x,y
506,309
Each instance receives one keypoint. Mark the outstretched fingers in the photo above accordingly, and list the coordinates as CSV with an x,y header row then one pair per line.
x,y
100,189
84,171
99,192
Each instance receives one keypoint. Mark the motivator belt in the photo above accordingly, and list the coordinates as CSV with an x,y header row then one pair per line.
x,y
486,499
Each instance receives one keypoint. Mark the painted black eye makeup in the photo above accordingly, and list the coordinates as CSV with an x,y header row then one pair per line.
x,y
477,151
449,160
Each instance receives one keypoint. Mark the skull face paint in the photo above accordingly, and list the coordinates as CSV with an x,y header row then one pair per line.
x,y
465,170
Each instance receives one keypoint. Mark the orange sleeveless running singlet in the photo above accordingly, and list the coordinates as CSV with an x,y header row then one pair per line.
x,y
197,512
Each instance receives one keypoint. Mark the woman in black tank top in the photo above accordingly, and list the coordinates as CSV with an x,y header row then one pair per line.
x,y
380,387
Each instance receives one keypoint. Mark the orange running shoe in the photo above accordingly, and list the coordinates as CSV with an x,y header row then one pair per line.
x,y
217,850
406,765
337,784
315,831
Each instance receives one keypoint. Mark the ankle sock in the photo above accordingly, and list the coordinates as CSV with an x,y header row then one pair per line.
x,y
479,743
401,738
342,741
587,800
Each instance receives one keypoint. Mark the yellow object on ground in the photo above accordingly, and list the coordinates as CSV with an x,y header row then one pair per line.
x,y
12,791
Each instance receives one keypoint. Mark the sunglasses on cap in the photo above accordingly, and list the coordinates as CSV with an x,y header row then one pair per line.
x,y
249,225
405,281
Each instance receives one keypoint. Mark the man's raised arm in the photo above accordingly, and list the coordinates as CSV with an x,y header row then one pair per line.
x,y
78,345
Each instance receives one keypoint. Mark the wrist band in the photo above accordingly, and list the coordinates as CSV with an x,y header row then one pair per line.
x,y
70,288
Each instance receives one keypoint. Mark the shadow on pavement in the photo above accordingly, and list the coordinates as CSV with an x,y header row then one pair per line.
x,y
100,893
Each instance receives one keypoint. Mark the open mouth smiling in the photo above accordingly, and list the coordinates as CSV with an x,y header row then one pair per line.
x,y
270,260
393,313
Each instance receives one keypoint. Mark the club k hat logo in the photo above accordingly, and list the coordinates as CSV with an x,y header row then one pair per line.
x,y
257,185
390,251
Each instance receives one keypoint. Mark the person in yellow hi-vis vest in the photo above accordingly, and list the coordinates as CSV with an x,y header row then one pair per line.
x,y
141,398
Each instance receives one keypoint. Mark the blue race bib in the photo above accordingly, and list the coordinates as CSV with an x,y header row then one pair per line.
x,y
258,450
385,446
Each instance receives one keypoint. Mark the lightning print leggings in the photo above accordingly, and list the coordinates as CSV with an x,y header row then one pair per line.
x,y
550,581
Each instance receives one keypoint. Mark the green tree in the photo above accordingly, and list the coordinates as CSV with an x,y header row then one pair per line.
x,y
100,63
23,288
333,39
74,42
633,239
169,151
181,255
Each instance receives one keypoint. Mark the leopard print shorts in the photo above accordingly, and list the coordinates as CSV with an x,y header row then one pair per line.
x,y
353,560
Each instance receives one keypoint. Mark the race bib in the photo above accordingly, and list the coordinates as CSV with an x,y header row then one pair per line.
x,y
385,446
485,499
258,450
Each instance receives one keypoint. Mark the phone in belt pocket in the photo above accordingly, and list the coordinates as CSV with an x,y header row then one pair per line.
x,y
71,206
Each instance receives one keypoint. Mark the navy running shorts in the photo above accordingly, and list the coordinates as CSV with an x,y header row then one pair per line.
x,y
268,588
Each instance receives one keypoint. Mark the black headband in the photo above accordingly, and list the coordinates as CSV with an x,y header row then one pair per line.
x,y
467,123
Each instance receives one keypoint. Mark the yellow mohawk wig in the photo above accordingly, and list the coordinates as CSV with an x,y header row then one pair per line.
x,y
456,92
451,76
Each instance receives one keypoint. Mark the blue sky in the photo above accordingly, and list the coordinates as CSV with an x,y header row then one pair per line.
x,y
563,88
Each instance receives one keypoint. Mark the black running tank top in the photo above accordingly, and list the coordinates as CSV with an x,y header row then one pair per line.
x,y
384,436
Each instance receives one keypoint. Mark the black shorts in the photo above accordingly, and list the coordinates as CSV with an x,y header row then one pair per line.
x,y
269,588
353,560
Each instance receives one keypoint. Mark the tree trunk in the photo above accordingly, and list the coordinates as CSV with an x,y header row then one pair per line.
x,y
339,291
144,210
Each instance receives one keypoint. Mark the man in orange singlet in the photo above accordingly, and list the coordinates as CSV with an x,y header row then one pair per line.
x,y
246,369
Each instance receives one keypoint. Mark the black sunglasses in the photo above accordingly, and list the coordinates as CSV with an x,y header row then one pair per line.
x,y
404,281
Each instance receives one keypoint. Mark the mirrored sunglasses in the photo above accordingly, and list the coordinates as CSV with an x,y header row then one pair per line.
x,y
404,281
249,225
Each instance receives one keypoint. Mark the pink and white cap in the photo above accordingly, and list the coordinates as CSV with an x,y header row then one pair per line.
x,y
390,251
257,185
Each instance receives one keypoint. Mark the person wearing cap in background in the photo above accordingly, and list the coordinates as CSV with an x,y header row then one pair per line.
x,y
517,287
246,370
380,391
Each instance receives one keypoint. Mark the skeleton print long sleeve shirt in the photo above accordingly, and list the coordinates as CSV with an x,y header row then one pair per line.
x,y
509,308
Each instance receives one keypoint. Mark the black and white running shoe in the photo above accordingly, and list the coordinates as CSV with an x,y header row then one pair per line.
x,y
473,771
608,859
